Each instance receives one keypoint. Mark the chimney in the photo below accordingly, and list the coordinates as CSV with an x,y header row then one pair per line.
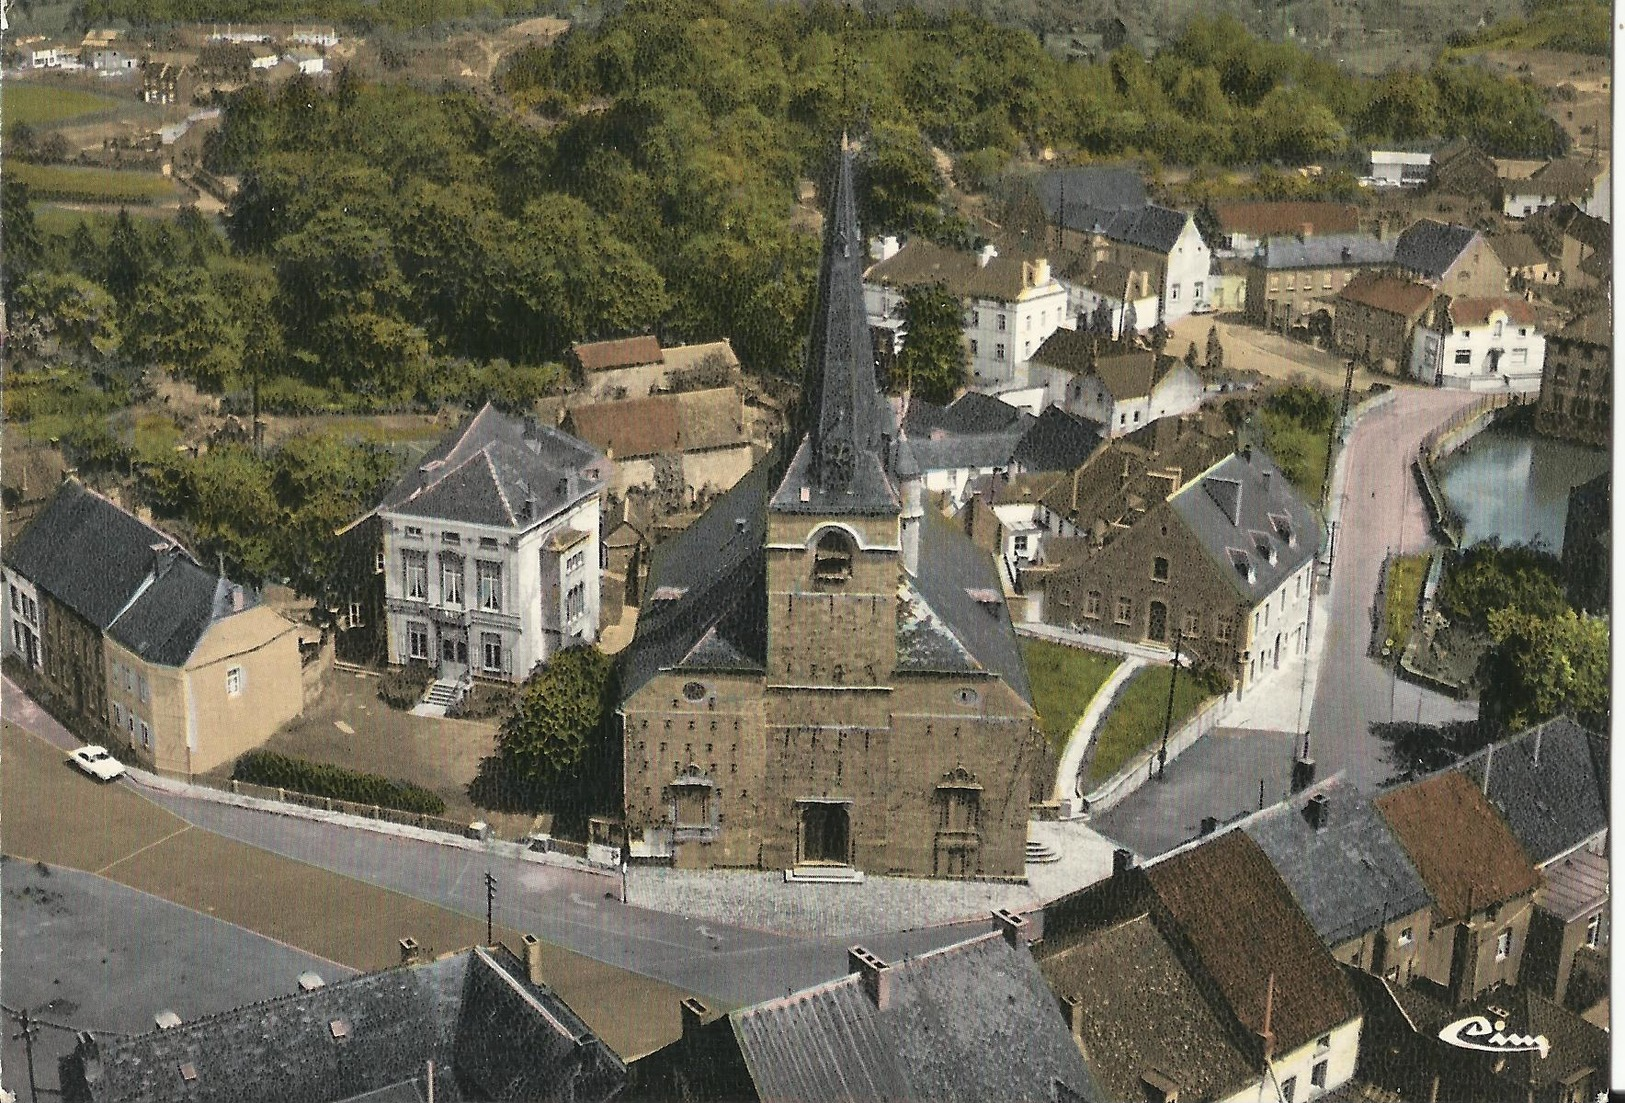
x,y
1210,824
1122,861
1317,810
988,252
1266,477
1538,733
237,599
533,959
1303,772
1246,453
1040,272
409,950
1266,1036
1013,926
1306,229
888,247
1072,1008
694,1013
875,974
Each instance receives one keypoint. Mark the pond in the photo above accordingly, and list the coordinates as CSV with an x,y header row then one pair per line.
x,y
1514,485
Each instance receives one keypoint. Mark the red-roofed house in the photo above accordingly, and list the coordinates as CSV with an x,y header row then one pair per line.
x,y
1244,226
1480,344
1375,318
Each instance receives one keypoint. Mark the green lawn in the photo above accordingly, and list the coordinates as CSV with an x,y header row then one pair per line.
x,y
1298,450
1405,577
1135,720
48,104
1064,680
92,185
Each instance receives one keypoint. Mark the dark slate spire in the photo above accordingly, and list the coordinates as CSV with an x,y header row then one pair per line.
x,y
843,464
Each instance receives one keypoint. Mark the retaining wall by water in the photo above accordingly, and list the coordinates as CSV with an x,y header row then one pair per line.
x,y
1462,427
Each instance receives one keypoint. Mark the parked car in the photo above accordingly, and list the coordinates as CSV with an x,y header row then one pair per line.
x,y
95,761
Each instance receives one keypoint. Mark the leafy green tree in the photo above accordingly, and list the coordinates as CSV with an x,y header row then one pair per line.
x,y
561,727
932,363
1215,350
179,321
1541,667
898,187
1486,578
66,311
17,229
128,262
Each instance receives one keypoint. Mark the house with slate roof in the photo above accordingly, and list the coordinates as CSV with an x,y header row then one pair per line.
x,y
1582,244
1456,260
475,1025
1115,384
1291,278
973,1020
1198,977
490,550
824,676
1574,179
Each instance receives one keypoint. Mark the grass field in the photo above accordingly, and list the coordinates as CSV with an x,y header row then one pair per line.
x,y
1135,721
1299,450
46,105
1064,680
1405,577
92,185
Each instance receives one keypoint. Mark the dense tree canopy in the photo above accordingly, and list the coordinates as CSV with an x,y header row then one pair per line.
x,y
1541,667
932,363
559,740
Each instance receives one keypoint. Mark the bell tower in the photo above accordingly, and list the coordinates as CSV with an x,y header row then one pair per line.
x,y
834,537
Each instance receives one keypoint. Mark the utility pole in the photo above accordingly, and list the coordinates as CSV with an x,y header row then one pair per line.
x,y
490,904
1168,716
29,1029
1331,433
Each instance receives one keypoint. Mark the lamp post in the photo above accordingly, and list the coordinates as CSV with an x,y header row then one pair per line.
x,y
1168,716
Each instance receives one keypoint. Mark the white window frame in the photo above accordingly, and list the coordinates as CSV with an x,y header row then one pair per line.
x,y
235,681
575,601
416,630
356,619
488,574
1503,944
146,735
415,568
451,580
488,640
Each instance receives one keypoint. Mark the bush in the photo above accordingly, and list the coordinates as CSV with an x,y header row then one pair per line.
x,y
484,701
318,779
403,687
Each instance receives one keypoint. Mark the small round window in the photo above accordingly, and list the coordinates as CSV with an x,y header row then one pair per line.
x,y
694,691
968,696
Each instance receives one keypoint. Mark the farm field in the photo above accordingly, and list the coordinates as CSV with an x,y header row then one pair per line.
x,y
48,104
93,185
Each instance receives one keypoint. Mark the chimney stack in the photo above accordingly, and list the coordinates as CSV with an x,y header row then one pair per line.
x,y
1072,1008
1303,773
1122,861
875,974
409,950
988,252
1210,824
237,599
1013,926
694,1013
533,958
1318,810
1266,478
1538,733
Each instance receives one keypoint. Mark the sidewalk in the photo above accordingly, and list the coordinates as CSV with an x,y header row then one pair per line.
x,y
1077,638
1068,774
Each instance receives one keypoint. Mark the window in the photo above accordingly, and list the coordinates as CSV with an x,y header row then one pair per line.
x,y
118,715
491,651
1125,610
489,543
1159,568
998,351
1291,283
1407,936
234,681
1323,1043
575,562
490,580
1503,944
1091,604
146,735
1520,356
1196,292
832,558
378,561
961,808
1192,625
1224,631
413,532
417,640
417,576
1173,292
1594,931
16,605
355,619
1275,283
1026,348
1499,326
450,538
1326,282
1523,331
1001,323
1317,1075
141,690
976,317
575,602
451,580
1289,1089
973,348
1464,356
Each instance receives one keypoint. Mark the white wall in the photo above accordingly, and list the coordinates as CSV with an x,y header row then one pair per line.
x,y
1178,392
12,620
1339,1055
1186,289
1283,615
1460,359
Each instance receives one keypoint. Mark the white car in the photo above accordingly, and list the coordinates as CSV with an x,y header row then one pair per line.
x,y
95,761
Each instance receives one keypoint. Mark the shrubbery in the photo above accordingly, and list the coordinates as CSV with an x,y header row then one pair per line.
x,y
403,687
318,779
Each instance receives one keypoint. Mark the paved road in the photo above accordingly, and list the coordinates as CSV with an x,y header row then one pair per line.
x,y
1381,511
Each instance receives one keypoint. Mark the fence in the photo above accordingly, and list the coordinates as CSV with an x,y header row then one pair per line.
x,y
333,804
1442,440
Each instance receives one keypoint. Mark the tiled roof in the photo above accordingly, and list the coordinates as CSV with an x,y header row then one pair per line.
x,y
974,1020
88,553
1594,328
1467,856
686,422
1244,927
1132,375
680,357
1250,521
166,622
1575,885
1324,251
1476,312
487,470
1141,1011
626,352
1264,219
1518,251
1350,875
1389,293
1058,441
1587,229
1567,177
1549,785
922,262
1431,247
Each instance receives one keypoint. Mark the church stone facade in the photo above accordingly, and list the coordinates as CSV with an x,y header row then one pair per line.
x,y
824,674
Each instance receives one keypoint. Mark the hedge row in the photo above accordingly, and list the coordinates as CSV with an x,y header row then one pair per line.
x,y
318,779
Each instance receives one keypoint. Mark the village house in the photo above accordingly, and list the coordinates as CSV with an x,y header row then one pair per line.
x,y
635,367
1290,279
824,677
1583,245
1160,248
977,436
691,441
136,640
1112,300
1455,260
1115,384
489,550
1479,345
1571,179
164,83
1392,168
1198,977
1011,302
262,57
478,1024
972,1020
1482,882
1462,169
1244,226
1588,544
1577,385
1374,319
306,60
1526,266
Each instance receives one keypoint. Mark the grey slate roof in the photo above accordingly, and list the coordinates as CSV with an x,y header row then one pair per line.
x,y
971,412
1431,247
1324,251
165,624
1549,784
1351,875
1089,191
974,1020
1236,510
491,1034
975,431
87,553
1058,441
487,470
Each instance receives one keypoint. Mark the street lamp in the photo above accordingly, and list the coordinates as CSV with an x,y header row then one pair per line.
x,y
1168,716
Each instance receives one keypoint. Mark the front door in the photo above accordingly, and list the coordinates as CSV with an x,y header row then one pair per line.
x,y
825,833
453,654
1157,629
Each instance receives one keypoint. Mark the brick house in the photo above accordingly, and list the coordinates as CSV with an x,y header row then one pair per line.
x,y
1577,385
795,674
1290,279
1456,260
1374,319
1482,881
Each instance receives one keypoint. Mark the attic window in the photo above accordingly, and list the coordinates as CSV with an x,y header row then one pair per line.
x,y
1243,564
694,691
340,1029
1283,529
669,593
1265,546
188,1071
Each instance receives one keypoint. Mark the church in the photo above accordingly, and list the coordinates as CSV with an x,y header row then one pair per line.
x,y
824,677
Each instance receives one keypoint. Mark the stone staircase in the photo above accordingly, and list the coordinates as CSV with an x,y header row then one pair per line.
x,y
824,875
1039,852
441,696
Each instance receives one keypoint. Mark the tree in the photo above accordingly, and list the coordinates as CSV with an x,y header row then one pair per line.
x,y
1541,667
932,363
179,321
17,230
1192,359
79,315
898,186
1486,578
1215,351
560,726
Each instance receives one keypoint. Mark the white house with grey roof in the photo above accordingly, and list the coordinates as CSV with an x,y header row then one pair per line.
x,y
490,550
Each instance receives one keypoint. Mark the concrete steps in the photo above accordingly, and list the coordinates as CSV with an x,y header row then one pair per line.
x,y
442,694
1039,852
824,875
